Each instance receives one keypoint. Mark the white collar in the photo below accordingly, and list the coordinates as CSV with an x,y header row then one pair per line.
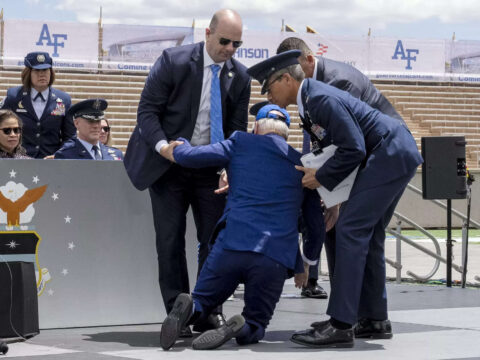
x,y
299,100
315,69
207,60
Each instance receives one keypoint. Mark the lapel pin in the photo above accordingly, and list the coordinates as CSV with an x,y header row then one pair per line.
x,y
230,74
20,105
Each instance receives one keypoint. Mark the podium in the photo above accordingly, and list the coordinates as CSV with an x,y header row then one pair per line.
x,y
18,300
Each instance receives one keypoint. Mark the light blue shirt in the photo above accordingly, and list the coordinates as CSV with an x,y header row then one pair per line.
x,y
39,104
89,147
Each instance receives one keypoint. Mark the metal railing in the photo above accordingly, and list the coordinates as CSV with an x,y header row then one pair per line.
x,y
397,264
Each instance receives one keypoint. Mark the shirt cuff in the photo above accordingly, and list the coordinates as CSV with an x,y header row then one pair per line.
x,y
160,145
309,262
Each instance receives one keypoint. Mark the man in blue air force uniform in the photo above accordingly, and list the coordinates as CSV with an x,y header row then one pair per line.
x,y
256,237
88,115
388,157
344,77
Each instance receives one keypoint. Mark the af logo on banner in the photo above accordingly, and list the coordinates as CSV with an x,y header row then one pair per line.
x,y
405,54
19,241
53,40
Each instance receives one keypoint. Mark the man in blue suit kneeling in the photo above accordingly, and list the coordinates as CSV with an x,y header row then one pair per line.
x,y
256,239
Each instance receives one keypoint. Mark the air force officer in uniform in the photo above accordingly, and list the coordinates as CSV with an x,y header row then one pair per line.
x,y
43,109
88,115
388,157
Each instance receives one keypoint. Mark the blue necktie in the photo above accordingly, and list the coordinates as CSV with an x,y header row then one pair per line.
x,y
216,127
95,151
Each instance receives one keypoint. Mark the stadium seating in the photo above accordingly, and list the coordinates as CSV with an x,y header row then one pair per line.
x,y
429,108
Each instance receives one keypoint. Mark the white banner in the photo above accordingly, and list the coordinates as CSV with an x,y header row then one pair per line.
x,y
72,45
131,47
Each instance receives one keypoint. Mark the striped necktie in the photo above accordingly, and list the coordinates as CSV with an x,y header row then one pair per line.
x,y
216,126
96,152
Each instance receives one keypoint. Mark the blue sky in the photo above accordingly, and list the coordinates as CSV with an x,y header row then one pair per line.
x,y
436,19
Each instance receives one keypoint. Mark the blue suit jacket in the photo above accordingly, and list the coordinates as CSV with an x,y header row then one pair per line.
x,y
169,105
44,136
265,194
74,149
383,145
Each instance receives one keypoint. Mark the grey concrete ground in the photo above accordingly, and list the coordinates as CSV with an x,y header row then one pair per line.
x,y
430,322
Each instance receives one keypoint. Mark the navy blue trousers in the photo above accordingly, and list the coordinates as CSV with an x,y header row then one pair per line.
x,y
313,229
358,286
220,275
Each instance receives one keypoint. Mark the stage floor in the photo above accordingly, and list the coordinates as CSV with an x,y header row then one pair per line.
x,y
429,322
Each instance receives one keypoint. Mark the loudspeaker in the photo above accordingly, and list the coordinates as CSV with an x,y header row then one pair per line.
x,y
18,300
444,169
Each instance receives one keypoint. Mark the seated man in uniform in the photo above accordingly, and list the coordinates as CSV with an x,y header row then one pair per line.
x,y
256,239
87,115
387,156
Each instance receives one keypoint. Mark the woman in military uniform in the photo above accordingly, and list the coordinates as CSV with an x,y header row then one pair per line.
x,y
42,108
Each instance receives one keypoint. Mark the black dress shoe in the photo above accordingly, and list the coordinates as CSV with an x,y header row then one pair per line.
x,y
319,324
373,329
314,291
326,336
213,321
176,320
213,339
186,333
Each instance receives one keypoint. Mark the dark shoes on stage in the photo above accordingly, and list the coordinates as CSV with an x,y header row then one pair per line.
x,y
213,339
176,320
214,321
313,290
324,335
373,329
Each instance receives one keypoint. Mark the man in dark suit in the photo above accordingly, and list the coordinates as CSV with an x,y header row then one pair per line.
x,y
87,115
344,77
256,237
198,92
388,157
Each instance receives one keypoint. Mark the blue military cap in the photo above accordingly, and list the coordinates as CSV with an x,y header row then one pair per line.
x,y
91,109
38,60
268,112
262,71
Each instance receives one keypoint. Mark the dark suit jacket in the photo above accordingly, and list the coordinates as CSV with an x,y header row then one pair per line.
x,y
265,192
384,146
74,149
44,136
169,105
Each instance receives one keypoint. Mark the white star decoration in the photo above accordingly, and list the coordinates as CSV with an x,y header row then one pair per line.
x,y
50,292
12,244
35,179
71,245
55,196
67,219
65,272
13,173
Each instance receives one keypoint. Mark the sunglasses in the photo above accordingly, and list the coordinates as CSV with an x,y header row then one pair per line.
x,y
235,43
106,128
8,131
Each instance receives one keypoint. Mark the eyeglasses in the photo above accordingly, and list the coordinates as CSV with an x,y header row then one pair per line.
x,y
8,131
235,43
106,128
267,86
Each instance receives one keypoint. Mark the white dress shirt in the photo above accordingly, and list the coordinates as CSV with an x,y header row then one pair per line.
x,y
201,133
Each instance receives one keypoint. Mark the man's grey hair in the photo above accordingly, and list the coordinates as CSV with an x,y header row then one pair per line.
x,y
269,125
294,43
294,70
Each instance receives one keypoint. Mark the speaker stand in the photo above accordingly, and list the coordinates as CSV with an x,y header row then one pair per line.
x,y
449,243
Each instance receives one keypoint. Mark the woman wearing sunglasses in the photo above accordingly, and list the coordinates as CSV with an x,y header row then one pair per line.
x,y
42,108
11,136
